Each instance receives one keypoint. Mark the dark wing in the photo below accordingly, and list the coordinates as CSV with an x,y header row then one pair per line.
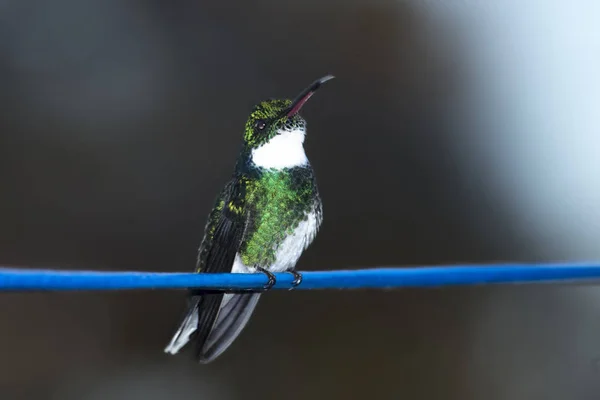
x,y
223,317
221,242
222,238
224,231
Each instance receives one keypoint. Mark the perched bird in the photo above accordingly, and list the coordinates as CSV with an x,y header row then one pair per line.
x,y
264,218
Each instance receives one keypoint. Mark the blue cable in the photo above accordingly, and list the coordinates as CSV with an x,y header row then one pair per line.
x,y
376,278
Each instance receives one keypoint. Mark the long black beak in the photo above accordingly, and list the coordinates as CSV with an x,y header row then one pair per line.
x,y
305,95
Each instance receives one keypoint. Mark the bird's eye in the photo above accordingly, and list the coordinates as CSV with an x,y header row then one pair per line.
x,y
260,124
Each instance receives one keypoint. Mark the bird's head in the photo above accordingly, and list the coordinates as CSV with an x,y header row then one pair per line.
x,y
275,128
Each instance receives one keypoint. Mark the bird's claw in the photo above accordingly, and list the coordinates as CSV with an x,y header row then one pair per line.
x,y
271,277
297,279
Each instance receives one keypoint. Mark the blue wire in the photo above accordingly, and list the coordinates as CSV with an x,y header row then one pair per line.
x,y
376,278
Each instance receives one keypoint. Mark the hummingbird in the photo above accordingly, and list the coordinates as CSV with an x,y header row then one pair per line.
x,y
262,221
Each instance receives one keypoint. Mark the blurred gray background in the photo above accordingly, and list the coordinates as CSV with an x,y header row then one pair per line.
x,y
455,132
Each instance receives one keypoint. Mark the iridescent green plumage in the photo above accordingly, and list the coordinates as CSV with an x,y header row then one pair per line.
x,y
272,205
278,202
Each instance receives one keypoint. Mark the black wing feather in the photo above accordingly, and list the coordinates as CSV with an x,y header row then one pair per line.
x,y
217,255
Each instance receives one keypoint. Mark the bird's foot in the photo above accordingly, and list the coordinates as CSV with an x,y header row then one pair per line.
x,y
271,277
297,279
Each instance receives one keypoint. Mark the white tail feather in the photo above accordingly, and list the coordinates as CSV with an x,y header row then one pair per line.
x,y
186,329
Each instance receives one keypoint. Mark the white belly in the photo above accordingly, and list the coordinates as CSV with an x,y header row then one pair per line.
x,y
288,253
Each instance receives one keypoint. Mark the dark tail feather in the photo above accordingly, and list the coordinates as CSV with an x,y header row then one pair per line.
x,y
231,320
213,321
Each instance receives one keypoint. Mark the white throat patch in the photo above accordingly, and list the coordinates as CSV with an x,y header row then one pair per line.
x,y
285,150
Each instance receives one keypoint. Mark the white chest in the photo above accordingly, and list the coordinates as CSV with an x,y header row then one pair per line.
x,y
285,150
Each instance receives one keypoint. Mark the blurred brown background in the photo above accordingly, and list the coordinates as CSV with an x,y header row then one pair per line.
x,y
455,132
